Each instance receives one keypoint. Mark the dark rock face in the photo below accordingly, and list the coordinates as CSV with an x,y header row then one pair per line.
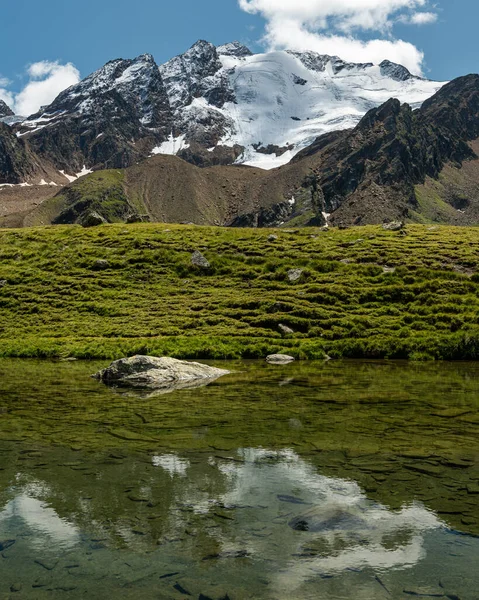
x,y
198,73
199,155
234,49
395,71
394,148
183,75
110,119
16,164
272,216
5,110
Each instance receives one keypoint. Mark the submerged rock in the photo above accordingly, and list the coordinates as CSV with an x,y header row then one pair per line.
x,y
279,359
323,519
157,373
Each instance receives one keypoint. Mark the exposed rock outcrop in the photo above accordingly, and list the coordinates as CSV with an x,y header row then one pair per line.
x,y
5,110
156,373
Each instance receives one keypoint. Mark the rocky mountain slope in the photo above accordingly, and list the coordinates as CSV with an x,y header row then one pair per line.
x,y
342,151
5,111
211,105
385,168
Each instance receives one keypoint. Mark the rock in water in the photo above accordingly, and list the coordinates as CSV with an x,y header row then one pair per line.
x,y
279,359
198,260
157,373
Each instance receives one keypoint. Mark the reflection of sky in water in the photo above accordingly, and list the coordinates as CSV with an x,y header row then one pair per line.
x,y
346,529
171,463
40,520
267,496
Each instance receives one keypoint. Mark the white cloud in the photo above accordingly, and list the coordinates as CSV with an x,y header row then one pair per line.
x,y
5,94
419,18
328,26
46,80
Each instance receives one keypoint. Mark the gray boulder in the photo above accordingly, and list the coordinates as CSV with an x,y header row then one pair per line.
x,y
101,265
295,275
285,330
157,373
279,359
92,219
136,218
393,226
198,260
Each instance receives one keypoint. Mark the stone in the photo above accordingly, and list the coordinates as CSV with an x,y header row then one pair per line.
x,y
3,283
101,265
279,359
92,219
285,330
272,238
136,218
157,373
198,260
393,226
294,275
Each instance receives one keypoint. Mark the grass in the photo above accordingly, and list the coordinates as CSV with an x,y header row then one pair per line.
x,y
364,292
101,191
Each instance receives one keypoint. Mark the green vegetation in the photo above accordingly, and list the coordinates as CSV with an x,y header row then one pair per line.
x,y
101,191
364,292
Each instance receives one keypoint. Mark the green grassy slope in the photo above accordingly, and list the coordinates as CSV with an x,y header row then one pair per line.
x,y
364,292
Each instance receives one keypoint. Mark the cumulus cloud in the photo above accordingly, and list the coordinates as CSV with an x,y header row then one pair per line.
x,y
419,18
5,94
46,80
331,26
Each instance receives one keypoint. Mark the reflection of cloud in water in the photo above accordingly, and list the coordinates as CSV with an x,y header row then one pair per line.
x,y
171,463
40,520
342,529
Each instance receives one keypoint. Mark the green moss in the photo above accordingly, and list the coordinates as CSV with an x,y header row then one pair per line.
x,y
432,206
364,292
101,191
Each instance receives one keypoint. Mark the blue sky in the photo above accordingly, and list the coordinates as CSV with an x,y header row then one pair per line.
x,y
90,33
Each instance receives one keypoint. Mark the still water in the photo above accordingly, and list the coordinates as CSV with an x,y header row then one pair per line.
x,y
338,480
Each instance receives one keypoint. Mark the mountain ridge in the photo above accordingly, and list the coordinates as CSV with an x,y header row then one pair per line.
x,y
212,107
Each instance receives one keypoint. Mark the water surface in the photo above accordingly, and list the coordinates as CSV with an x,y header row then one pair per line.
x,y
315,480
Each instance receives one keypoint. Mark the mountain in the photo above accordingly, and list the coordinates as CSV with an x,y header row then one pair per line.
x,y
110,119
269,106
5,111
347,143
397,163
212,105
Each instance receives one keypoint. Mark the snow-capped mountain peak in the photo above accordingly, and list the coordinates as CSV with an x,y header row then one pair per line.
x,y
277,103
234,49
221,103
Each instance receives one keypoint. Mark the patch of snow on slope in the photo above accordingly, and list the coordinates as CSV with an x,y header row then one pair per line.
x,y
171,146
82,173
